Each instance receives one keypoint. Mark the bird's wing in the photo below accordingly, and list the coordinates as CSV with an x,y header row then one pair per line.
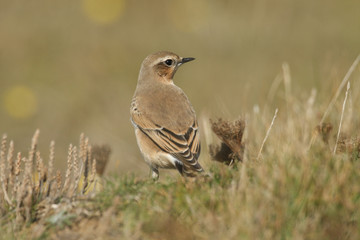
x,y
184,146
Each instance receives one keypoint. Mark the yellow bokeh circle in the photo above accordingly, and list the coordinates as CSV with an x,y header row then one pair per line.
x,y
103,11
20,102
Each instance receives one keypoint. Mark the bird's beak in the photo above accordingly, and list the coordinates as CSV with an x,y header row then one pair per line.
x,y
188,59
185,60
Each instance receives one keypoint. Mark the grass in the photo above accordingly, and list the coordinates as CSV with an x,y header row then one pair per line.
x,y
30,190
284,197
286,185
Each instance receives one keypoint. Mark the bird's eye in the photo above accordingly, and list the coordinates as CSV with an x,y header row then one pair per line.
x,y
169,62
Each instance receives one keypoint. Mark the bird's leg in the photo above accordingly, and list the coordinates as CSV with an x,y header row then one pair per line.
x,y
180,167
154,173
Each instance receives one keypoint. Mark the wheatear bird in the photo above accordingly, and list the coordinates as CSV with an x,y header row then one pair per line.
x,y
165,123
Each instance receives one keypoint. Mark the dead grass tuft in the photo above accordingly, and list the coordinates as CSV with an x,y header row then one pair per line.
x,y
102,155
29,187
324,130
230,133
350,146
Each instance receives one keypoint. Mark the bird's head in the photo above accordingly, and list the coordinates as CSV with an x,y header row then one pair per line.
x,y
164,64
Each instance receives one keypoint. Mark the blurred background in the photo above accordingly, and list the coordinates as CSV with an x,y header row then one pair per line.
x,y
68,67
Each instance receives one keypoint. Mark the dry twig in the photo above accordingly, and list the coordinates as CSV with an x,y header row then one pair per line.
x,y
267,134
341,118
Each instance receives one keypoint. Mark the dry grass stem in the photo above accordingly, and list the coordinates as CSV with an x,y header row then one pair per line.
x,y
267,134
88,158
207,130
86,162
341,118
341,86
309,114
30,160
77,171
245,138
17,171
3,178
42,175
34,142
6,196
274,86
68,170
18,164
75,161
10,162
347,124
287,81
51,160
85,149
58,181
82,151
27,200
37,175
93,170
2,158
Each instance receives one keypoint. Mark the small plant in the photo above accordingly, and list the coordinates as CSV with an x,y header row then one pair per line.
x,y
29,187
231,148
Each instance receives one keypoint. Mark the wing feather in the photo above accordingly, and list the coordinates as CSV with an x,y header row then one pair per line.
x,y
183,146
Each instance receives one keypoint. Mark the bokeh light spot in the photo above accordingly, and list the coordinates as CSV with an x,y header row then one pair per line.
x,y
103,11
20,102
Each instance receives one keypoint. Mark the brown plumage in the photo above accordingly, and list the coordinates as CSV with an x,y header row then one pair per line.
x,y
165,123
